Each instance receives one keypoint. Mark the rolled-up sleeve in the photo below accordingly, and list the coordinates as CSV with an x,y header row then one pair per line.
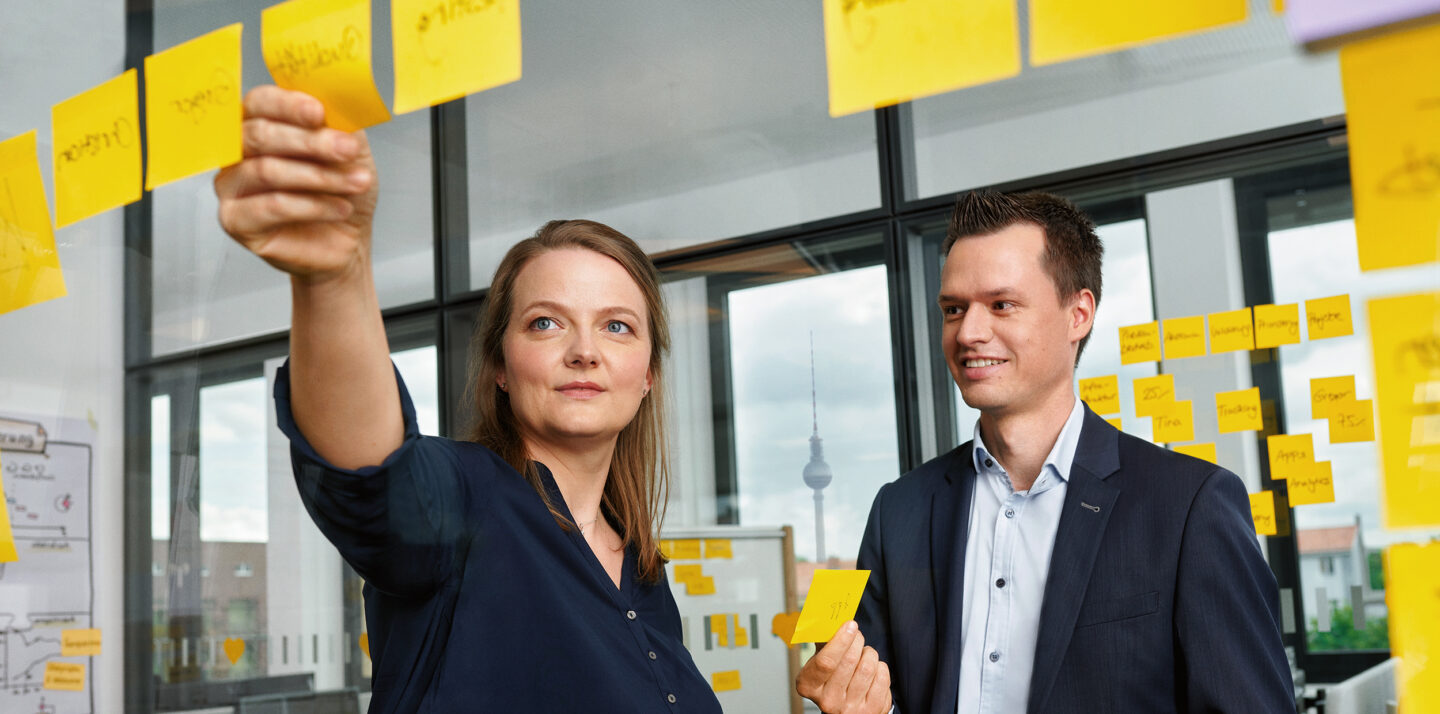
x,y
401,524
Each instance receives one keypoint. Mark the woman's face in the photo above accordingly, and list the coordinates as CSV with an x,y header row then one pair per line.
x,y
577,349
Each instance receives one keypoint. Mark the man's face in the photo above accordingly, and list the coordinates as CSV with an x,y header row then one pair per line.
x,y
1008,340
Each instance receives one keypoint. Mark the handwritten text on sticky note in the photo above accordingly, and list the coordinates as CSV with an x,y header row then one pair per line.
x,y
1262,511
1184,337
1328,317
1102,394
322,47
1140,343
79,643
1153,394
29,266
833,599
1353,421
1316,486
718,548
96,145
1231,331
445,51
64,676
1175,423
1239,410
192,106
1277,325
1290,455
1326,392
685,549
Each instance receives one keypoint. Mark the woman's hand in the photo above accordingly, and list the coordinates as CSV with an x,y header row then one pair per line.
x,y
303,197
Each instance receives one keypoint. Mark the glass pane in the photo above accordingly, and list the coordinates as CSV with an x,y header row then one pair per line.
x,y
1339,543
1126,299
207,289
160,468
1122,104
232,456
420,370
676,123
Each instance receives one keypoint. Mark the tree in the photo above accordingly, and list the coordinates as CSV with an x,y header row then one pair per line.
x,y
1344,636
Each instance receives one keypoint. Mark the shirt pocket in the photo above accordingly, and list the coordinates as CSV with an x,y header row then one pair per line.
x,y
1115,609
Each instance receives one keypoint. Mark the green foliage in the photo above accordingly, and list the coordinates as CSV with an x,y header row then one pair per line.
x,y
1377,570
1344,636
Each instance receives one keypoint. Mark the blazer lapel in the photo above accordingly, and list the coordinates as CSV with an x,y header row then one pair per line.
x,y
949,530
1089,499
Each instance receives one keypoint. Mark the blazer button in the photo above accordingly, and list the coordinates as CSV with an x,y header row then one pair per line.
x,y
629,614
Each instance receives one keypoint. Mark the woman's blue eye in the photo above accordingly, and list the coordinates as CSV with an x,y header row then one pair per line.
x,y
542,323
617,327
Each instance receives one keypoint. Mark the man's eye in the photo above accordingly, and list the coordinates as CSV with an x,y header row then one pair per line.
x,y
1003,305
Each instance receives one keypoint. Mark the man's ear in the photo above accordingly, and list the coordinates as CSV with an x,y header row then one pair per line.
x,y
1082,314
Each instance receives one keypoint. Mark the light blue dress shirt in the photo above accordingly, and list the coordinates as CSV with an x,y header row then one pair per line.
x,y
1007,561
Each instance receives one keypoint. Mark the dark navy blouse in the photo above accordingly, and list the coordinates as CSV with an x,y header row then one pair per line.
x,y
476,600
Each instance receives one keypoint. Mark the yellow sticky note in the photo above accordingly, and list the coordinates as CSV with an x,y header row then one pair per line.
x,y
1315,486
1393,121
719,626
704,585
79,643
1262,511
1063,30
445,51
1184,337
883,52
833,599
742,637
1277,6
686,573
192,106
64,676
322,47
1404,332
667,550
96,143
1412,581
29,266
1154,394
1231,331
1176,423
1290,455
1328,317
1239,410
7,536
1352,421
1326,392
1102,394
718,548
685,549
1205,451
1277,325
727,681
1115,422
1140,343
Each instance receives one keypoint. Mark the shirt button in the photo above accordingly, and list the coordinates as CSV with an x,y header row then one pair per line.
x,y
990,463
994,656
630,614
670,698
652,654
1000,583
1009,513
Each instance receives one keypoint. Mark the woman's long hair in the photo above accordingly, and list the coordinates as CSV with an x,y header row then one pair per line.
x,y
638,484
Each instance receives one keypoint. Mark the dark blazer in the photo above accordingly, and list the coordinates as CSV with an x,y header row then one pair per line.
x,y
1158,598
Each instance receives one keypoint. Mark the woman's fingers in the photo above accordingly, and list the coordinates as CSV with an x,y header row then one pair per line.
x,y
274,173
262,213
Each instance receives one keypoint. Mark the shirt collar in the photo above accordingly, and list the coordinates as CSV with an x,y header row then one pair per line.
x,y
1062,454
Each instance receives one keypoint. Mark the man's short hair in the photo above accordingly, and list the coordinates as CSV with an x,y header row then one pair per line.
x,y
1073,253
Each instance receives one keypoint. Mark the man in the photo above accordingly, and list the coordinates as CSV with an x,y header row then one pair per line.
x,y
1052,564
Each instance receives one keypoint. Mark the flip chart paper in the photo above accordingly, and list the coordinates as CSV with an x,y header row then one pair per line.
x,y
1063,30
1327,392
1392,109
444,51
1184,337
79,643
1175,423
1352,421
1140,343
192,107
1101,393
833,598
1153,394
96,137
29,266
1404,332
1277,325
1328,317
1412,597
1316,486
1231,331
64,676
1205,451
322,47
1239,410
1290,455
883,52
1262,511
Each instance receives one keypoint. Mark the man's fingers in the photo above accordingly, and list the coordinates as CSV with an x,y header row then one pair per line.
x,y
298,108
877,697
273,173
265,212
261,136
865,670
829,656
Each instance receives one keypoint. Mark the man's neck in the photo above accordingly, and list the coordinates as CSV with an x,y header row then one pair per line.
x,y
1020,441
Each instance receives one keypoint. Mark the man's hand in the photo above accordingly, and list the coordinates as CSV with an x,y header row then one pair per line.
x,y
846,676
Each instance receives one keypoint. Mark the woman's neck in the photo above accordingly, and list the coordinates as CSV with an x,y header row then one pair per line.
x,y
579,474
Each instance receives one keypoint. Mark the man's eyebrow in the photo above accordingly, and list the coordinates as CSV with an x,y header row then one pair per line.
x,y
988,294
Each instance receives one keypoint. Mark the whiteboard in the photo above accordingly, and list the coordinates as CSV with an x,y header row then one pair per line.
x,y
749,589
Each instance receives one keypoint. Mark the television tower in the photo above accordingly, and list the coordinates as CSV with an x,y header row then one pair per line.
x,y
817,472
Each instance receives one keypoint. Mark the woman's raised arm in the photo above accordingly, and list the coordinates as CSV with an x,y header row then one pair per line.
x,y
303,199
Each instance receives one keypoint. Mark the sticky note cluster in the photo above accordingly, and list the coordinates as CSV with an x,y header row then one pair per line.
x,y
1351,419
1292,459
1171,420
1261,327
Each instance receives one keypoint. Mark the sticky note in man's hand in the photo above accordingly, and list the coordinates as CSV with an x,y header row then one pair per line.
x,y
322,48
833,599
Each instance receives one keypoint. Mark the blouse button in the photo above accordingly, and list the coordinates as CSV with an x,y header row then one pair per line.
x,y
670,698
652,654
630,614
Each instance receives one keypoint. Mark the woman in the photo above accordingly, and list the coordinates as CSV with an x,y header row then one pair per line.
x,y
518,572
